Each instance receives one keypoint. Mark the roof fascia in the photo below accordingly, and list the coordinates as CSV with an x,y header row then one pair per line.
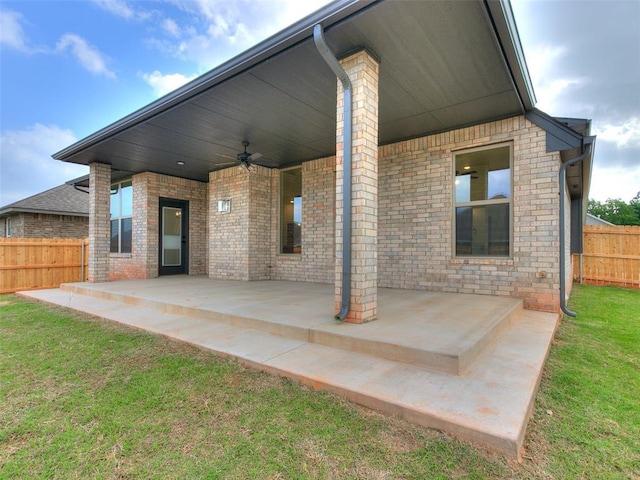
x,y
501,17
16,210
300,31
75,181
587,170
116,177
499,14
559,136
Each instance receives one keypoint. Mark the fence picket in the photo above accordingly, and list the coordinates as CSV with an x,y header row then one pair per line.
x,y
33,263
611,256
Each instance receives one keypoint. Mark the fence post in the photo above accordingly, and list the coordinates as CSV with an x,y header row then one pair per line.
x,y
580,269
82,260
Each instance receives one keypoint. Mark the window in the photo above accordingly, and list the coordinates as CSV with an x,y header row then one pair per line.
x,y
483,202
121,212
291,211
8,227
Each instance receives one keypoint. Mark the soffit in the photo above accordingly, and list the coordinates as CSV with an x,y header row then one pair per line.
x,y
441,67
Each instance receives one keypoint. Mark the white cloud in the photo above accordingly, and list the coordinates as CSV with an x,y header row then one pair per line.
x,y
13,36
11,33
625,135
171,27
603,88
212,31
121,8
219,27
212,8
293,10
26,164
116,7
88,56
608,182
163,84
551,83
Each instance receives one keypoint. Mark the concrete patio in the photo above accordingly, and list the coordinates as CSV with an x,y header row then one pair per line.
x,y
465,364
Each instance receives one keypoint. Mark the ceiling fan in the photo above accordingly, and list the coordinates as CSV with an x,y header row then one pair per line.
x,y
245,158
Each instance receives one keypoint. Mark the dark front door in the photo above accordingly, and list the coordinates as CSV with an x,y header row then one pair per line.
x,y
174,236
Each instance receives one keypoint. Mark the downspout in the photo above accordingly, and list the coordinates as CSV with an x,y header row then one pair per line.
x,y
563,181
332,61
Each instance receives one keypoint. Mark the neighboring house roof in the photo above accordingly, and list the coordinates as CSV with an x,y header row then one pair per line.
x,y
443,65
61,200
593,220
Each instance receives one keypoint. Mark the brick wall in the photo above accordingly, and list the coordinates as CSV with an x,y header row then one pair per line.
x,y
229,232
17,226
243,244
39,225
44,225
259,248
415,242
148,187
415,225
363,70
317,260
99,225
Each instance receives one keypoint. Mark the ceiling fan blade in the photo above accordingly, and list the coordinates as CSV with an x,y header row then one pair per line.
x,y
255,156
266,163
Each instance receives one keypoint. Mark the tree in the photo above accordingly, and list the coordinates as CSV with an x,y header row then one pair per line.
x,y
635,204
617,211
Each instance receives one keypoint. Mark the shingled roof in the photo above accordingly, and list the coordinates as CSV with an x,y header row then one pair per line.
x,y
61,200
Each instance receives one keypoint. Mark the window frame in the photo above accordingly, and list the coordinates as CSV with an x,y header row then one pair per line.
x,y
120,217
281,211
7,225
482,203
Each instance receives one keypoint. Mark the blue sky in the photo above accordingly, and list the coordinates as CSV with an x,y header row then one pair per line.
x,y
70,68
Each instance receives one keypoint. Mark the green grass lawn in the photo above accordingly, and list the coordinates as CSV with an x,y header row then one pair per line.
x,y
85,398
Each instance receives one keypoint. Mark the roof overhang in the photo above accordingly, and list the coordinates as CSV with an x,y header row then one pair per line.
x,y
443,65
571,137
5,212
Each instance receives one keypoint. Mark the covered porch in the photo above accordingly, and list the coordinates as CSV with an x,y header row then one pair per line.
x,y
466,364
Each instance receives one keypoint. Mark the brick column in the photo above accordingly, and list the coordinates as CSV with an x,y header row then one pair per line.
x,y
363,72
239,247
259,194
99,223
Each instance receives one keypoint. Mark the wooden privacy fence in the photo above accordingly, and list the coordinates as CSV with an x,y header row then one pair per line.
x,y
611,256
32,263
